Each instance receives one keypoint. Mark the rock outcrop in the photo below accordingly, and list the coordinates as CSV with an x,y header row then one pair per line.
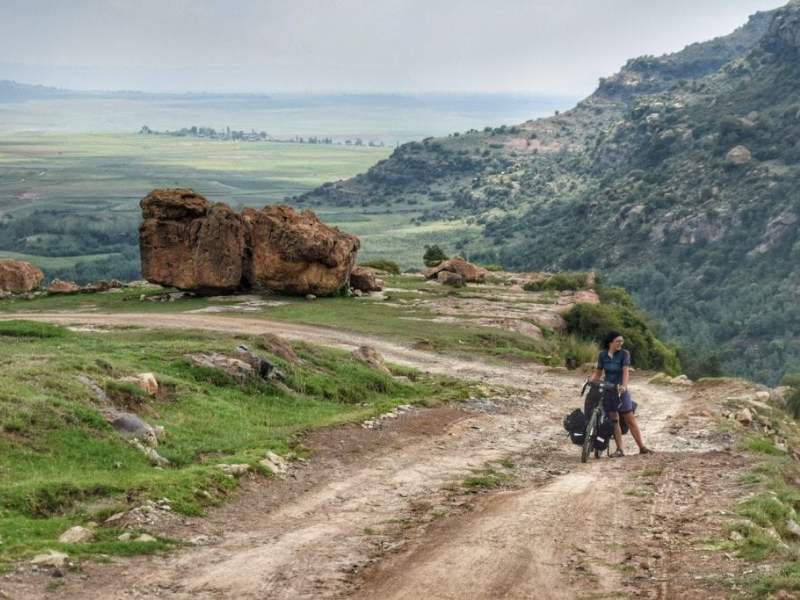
x,y
19,276
469,272
296,253
188,243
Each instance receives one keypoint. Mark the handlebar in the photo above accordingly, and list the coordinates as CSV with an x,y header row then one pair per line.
x,y
603,385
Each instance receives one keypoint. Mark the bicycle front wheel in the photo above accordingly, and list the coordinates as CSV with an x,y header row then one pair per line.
x,y
588,440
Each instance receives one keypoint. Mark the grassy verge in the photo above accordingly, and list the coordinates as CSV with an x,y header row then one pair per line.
x,y
762,531
61,464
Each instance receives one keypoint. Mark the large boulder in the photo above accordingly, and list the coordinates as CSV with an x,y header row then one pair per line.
x,y
19,276
188,243
469,272
364,279
296,253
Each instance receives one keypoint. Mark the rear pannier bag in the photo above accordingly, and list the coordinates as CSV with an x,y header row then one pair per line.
x,y
575,425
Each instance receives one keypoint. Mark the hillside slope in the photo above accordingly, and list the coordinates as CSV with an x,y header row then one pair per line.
x,y
638,181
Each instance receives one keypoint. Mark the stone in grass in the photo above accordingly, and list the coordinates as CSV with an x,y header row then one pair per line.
x,y
275,463
793,527
76,535
372,358
235,470
145,537
125,537
57,560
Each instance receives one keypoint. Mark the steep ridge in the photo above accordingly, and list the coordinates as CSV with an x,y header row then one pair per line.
x,y
687,162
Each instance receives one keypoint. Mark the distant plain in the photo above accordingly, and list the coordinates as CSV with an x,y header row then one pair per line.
x,y
79,159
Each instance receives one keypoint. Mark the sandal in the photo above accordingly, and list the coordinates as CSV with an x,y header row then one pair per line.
x,y
618,454
645,450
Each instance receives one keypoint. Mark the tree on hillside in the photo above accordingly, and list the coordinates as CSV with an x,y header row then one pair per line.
x,y
433,255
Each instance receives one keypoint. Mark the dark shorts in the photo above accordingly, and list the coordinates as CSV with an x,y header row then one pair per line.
x,y
620,404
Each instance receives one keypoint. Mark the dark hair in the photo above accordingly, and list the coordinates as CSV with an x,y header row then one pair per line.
x,y
610,337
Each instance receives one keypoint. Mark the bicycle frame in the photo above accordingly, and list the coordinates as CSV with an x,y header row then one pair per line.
x,y
593,421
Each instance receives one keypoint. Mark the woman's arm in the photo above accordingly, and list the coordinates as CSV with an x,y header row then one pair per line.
x,y
625,378
597,374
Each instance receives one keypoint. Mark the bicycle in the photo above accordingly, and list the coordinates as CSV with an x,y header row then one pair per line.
x,y
593,421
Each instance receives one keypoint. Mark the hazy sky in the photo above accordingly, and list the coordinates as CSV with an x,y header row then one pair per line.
x,y
551,46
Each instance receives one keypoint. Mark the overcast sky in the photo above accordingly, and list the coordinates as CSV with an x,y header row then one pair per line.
x,y
530,46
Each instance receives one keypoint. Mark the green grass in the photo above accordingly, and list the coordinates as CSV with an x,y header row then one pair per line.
x,y
392,320
486,479
61,464
762,523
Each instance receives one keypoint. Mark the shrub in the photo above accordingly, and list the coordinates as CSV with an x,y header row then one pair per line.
x,y
559,281
383,265
433,256
594,321
493,267
578,352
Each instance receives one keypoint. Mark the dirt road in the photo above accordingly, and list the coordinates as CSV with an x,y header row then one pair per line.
x,y
391,519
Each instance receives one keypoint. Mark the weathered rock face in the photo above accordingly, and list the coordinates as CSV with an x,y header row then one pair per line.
x,y
19,276
364,279
296,253
458,265
188,243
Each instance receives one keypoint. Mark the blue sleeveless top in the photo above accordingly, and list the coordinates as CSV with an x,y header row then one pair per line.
x,y
612,365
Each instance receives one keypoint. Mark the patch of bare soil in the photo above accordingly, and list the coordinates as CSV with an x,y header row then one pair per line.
x,y
384,513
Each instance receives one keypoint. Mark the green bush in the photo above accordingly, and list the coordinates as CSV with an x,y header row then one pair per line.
x,y
382,265
433,256
560,282
594,321
577,351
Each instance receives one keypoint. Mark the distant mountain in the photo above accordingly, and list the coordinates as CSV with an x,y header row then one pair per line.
x,y
678,178
12,91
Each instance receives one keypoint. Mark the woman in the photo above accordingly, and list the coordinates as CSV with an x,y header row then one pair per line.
x,y
614,363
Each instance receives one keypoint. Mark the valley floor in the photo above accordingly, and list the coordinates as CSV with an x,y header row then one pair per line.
x,y
484,499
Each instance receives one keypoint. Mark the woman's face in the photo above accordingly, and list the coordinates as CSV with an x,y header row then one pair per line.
x,y
617,343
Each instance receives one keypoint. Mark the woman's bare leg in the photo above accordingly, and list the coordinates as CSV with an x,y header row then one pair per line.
x,y
633,427
617,429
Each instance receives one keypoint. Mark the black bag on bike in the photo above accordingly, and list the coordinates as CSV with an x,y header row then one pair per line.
x,y
575,424
605,431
